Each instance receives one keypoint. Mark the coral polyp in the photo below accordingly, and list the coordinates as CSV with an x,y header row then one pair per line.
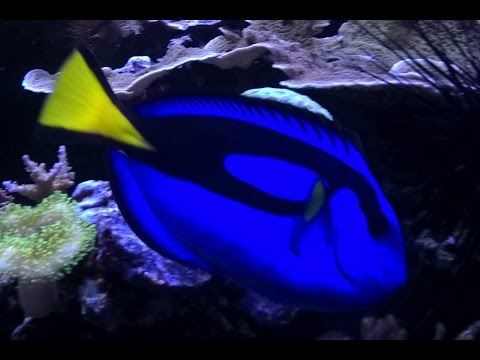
x,y
43,242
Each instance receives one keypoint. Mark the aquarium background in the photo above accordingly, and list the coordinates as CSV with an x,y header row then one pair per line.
x,y
123,289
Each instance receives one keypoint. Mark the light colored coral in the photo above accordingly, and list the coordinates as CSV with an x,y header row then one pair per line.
x,y
39,245
185,24
408,68
470,333
129,27
38,299
355,58
129,84
43,242
40,81
290,97
440,331
387,328
59,177
5,199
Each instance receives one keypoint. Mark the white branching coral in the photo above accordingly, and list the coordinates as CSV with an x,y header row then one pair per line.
x,y
59,177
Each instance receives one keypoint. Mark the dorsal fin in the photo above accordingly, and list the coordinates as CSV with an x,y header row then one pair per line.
x,y
314,129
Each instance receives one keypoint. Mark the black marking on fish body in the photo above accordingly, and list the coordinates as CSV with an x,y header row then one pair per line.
x,y
303,126
272,114
295,242
318,131
194,148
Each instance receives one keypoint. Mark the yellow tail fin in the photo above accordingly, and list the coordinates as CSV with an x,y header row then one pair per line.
x,y
83,102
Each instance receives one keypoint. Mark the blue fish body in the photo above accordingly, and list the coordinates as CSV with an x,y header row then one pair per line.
x,y
230,193
274,197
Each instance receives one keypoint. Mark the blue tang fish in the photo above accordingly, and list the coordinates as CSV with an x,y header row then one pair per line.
x,y
272,196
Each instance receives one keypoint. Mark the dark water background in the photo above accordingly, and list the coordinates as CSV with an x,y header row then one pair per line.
x,y
28,45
